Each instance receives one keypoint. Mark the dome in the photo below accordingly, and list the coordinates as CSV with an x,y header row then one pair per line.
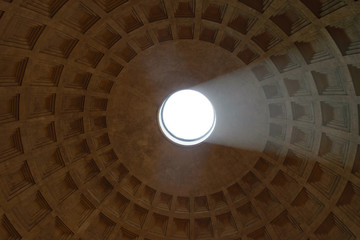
x,y
82,155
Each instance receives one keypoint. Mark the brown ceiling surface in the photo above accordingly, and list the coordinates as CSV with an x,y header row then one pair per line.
x,y
81,154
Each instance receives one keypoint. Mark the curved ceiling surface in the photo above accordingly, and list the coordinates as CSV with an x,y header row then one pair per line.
x,y
81,152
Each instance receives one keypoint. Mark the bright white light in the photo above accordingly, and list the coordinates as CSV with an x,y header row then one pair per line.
x,y
187,117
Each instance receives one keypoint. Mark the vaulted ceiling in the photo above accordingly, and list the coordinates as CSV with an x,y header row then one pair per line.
x,y
81,153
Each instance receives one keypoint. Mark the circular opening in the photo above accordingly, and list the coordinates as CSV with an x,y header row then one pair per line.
x,y
187,117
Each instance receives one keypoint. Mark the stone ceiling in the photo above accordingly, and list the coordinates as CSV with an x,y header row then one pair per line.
x,y
81,153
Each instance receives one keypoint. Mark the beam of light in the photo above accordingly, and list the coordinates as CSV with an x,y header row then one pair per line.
x,y
241,110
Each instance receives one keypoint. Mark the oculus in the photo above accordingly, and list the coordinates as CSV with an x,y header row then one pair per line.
x,y
187,117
